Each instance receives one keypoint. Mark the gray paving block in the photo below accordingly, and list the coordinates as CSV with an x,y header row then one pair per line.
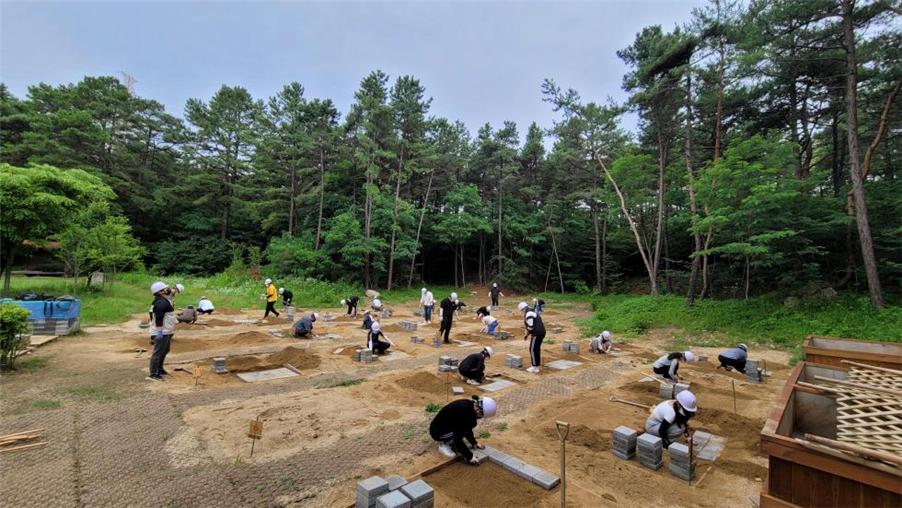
x,y
648,440
496,455
370,489
418,491
513,464
480,456
678,450
546,480
623,456
497,385
563,364
625,431
527,471
395,482
394,499
565,346
574,347
666,391
457,390
444,360
447,368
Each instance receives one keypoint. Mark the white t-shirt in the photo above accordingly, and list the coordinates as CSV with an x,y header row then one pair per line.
x,y
664,362
487,320
664,412
205,305
428,300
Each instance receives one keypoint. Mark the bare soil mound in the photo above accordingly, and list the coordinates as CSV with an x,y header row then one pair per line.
x,y
296,357
219,322
424,382
486,485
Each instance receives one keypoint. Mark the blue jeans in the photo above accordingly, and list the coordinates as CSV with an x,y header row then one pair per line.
x,y
492,327
427,312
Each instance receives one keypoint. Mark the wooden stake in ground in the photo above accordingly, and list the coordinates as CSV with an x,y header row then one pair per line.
x,y
733,381
197,373
691,442
255,432
563,429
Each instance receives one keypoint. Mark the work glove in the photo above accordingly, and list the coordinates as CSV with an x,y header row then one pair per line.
x,y
474,461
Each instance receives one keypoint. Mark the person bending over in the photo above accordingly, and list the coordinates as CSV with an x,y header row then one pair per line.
x,y
734,358
482,312
490,325
287,297
455,422
188,315
670,419
668,365
472,368
602,343
375,342
205,306
303,328
351,302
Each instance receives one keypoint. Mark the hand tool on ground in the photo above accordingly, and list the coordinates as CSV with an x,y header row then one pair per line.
x,y
615,399
563,430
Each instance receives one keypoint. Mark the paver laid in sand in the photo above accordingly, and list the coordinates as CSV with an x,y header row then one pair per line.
x,y
526,471
562,364
266,375
497,385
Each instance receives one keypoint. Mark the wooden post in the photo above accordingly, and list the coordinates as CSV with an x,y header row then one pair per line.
x,y
255,432
691,443
563,429
733,381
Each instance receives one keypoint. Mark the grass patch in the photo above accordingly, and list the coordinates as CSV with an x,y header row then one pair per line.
x,y
432,407
484,434
501,427
337,384
94,394
42,404
30,363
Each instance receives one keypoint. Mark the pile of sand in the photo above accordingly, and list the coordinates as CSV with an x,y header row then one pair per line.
x,y
486,485
219,322
296,357
425,382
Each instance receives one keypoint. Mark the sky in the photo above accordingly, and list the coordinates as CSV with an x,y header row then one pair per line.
x,y
479,61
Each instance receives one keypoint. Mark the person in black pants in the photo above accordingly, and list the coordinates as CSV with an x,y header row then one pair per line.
x,y
287,297
351,302
535,332
456,421
163,324
374,342
448,306
472,368
495,293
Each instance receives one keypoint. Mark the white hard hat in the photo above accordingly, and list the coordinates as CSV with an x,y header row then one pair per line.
x,y
158,286
744,347
605,334
377,302
687,400
180,287
489,406
203,298
315,316
522,305
375,326
689,355
343,302
423,290
494,284
454,296
489,351
281,290
267,281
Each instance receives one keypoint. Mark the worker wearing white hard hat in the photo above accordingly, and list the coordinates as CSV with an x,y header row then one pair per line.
x,y
455,422
495,294
472,368
270,296
427,301
490,325
377,304
447,308
162,324
668,365
670,419
734,358
535,332
376,340
602,343
287,297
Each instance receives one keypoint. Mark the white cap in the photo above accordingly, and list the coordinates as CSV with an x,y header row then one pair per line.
x,y
315,316
488,350
281,290
158,286
375,327
522,305
744,347
180,288
423,290
690,357
454,296
687,400
489,407
605,334
267,281
343,302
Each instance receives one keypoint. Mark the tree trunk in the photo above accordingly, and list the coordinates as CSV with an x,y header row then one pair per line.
x,y
747,271
8,268
291,200
322,195
836,166
500,200
367,218
557,259
548,273
394,222
659,228
881,129
598,283
855,171
693,205
463,268
420,228
718,112
604,253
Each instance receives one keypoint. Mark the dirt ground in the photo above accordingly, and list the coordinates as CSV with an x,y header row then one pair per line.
x,y
336,401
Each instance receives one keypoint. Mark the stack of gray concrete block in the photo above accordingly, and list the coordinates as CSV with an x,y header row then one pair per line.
x,y
447,364
385,314
418,312
219,365
651,451
437,341
416,340
681,464
624,440
499,335
669,391
421,495
703,358
396,492
408,325
369,490
364,355
526,471
513,361
570,346
752,372
565,347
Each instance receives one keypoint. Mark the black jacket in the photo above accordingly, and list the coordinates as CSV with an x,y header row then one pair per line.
x,y
473,362
483,311
495,291
457,418
352,301
287,296
448,309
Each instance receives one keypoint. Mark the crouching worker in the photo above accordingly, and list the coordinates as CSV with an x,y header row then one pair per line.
x,y
669,365
303,328
734,358
472,368
374,340
351,302
456,421
188,315
670,419
205,306
490,325
602,343
368,320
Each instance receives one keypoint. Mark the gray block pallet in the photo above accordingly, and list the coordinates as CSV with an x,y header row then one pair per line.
x,y
447,368
369,490
408,325
395,482
393,499
651,451
624,442
526,471
364,355
681,464
421,495
417,340
513,361
396,492
219,365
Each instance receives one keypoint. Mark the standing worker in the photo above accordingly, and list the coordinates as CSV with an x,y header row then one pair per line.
x,y
670,419
374,342
205,306
472,368
351,302
163,324
303,328
495,293
734,358
668,365
456,421
535,332
447,308
287,297
271,297
602,343
428,303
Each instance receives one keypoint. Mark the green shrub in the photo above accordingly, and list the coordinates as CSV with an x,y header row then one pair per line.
x,y
13,327
432,407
